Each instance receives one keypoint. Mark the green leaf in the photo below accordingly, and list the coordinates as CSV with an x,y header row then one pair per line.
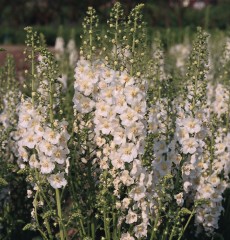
x,y
3,182
28,226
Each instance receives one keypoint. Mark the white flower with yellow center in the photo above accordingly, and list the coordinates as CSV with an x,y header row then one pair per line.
x,y
30,140
51,135
46,165
126,179
126,79
192,125
179,199
102,109
126,236
137,193
135,130
128,117
119,136
182,133
128,152
140,230
46,147
120,104
131,217
189,145
24,120
60,155
57,180
33,162
133,94
83,104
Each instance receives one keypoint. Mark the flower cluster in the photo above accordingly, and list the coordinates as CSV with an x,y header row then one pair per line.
x,y
44,147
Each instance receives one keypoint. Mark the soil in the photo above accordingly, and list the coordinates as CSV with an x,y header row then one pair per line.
x,y
17,52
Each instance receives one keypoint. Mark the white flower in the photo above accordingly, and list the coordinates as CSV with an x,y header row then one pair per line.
x,y
128,117
23,153
126,236
60,155
105,125
186,186
29,193
140,230
30,140
179,199
128,152
39,130
51,136
139,108
46,147
116,160
120,103
85,86
133,94
24,120
136,129
164,167
160,147
125,203
182,133
57,180
108,75
59,47
46,165
126,179
206,190
119,136
137,193
192,125
102,109
83,104
126,79
108,96
131,217
220,148
33,162
189,145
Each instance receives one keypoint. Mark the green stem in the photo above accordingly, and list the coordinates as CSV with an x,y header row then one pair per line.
x,y
165,233
105,225
40,189
133,44
48,229
174,226
93,229
32,69
51,102
190,218
35,202
172,233
82,227
116,40
153,234
58,201
91,36
196,82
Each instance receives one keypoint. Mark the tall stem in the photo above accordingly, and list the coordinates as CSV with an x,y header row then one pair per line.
x,y
153,234
190,218
196,82
32,69
51,101
133,44
58,201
